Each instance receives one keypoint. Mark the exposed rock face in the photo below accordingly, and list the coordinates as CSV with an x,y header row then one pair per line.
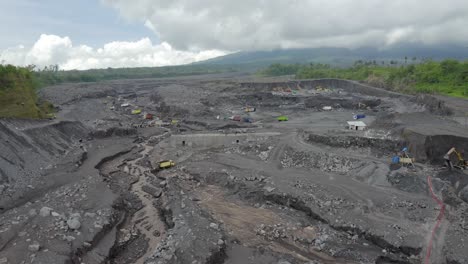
x,y
29,148
433,105
464,194
153,191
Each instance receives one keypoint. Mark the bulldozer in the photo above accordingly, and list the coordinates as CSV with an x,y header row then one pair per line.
x,y
462,164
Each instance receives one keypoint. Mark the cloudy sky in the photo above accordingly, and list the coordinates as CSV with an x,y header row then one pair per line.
x,y
128,33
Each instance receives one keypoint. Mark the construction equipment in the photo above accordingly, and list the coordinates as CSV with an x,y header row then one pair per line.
x,y
320,88
136,112
51,116
404,158
166,164
249,109
283,118
462,163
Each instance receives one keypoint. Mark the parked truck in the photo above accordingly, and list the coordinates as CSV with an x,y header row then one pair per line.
x,y
166,164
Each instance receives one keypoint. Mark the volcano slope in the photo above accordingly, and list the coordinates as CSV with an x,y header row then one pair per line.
x,y
86,188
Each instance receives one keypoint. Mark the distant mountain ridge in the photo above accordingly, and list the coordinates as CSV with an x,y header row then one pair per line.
x,y
343,56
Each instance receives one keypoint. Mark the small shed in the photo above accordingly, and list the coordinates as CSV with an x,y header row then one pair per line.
x,y
357,125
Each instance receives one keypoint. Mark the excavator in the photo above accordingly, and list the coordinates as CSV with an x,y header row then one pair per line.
x,y
462,163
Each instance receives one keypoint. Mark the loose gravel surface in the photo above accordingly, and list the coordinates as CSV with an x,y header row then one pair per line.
x,y
86,187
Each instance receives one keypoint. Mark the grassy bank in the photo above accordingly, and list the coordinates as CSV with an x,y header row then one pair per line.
x,y
448,77
18,94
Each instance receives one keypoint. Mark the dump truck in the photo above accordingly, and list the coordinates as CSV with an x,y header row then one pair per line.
x,y
166,164
282,118
51,116
249,109
136,112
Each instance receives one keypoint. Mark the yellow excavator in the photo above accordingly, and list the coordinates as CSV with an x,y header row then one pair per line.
x,y
462,163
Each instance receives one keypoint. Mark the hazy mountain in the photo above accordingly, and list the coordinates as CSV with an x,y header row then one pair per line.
x,y
343,56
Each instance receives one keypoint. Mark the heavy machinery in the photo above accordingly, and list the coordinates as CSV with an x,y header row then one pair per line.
x,y
282,118
166,164
249,109
462,164
404,158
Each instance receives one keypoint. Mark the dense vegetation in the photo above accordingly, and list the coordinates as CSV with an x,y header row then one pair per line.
x,y
52,75
448,77
18,95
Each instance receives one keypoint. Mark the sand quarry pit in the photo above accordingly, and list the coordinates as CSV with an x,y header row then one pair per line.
x,y
246,188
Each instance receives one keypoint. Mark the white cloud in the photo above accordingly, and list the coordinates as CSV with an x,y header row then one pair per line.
x,y
268,24
51,49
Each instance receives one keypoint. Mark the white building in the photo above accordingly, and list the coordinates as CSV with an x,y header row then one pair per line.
x,y
356,125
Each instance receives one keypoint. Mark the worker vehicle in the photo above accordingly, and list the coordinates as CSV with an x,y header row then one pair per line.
x,y
166,164
462,164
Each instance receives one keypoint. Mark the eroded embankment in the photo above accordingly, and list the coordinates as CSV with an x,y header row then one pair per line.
x,y
347,85
430,103
29,150
432,148
383,146
329,236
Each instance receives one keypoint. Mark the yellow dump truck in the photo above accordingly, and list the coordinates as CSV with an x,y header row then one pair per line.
x,y
249,109
166,164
